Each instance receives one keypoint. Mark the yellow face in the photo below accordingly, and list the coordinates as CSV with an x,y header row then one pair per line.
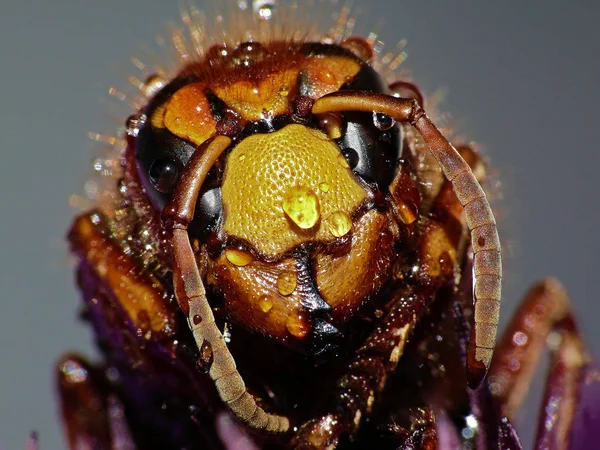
x,y
295,184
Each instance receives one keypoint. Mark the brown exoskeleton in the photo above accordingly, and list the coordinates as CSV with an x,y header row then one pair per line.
x,y
293,240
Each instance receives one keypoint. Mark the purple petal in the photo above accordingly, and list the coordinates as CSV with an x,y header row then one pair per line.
x,y
446,432
32,442
586,423
232,435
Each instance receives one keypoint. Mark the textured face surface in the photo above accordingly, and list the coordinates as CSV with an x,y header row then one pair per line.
x,y
296,183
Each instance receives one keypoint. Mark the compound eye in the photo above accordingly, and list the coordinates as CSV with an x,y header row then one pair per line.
x,y
162,153
164,174
372,143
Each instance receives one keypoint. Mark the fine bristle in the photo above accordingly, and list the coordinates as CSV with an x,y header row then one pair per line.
x,y
230,23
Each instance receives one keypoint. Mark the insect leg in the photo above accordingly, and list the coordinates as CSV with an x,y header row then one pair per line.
x,y
544,317
487,266
92,415
358,388
192,300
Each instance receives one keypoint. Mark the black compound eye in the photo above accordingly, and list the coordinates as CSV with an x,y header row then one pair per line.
x,y
161,159
372,142
164,174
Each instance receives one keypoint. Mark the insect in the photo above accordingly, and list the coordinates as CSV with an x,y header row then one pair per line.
x,y
290,241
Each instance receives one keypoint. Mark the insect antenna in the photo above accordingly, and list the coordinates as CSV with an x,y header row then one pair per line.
x,y
191,295
487,266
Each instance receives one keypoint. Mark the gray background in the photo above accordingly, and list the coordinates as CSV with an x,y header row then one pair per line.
x,y
522,79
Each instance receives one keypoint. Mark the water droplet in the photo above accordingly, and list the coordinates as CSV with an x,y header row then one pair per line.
x,y
242,157
265,303
331,123
324,187
342,161
226,333
286,283
302,206
284,91
216,52
264,8
247,54
360,47
351,157
481,241
197,319
408,212
238,257
339,224
206,357
297,326
383,121
134,123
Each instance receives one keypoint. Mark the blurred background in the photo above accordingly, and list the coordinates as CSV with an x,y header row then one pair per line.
x,y
522,81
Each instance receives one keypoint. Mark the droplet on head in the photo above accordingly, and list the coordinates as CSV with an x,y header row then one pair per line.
x,y
216,52
342,161
265,303
404,89
383,121
134,123
350,156
196,319
247,54
302,206
297,326
284,91
242,157
238,257
360,47
331,124
286,282
339,224
324,187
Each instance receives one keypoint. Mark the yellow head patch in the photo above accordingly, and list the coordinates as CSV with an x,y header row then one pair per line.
x,y
294,183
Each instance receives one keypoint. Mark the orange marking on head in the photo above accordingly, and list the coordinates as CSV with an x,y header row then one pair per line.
x,y
250,99
330,73
188,114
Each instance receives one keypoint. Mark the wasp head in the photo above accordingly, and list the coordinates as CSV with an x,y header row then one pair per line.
x,y
293,226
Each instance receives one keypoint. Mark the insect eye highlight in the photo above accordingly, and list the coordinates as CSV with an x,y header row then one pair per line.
x,y
164,174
